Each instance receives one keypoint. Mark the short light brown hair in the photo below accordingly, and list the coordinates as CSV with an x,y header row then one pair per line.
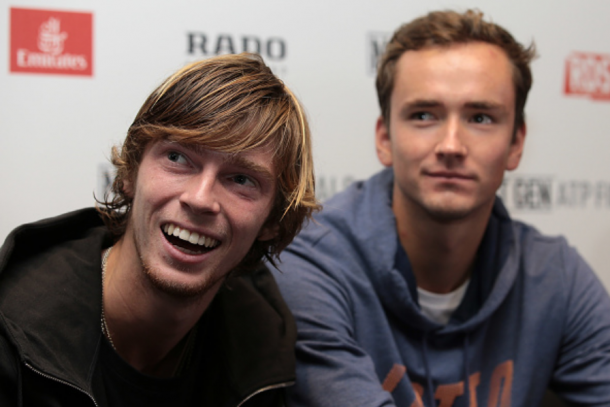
x,y
444,28
230,104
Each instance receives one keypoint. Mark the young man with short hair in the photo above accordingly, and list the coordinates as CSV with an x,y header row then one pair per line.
x,y
415,287
159,296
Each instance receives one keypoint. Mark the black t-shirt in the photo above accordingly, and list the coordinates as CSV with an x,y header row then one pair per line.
x,y
119,384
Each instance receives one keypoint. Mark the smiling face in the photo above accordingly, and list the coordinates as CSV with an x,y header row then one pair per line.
x,y
450,135
196,213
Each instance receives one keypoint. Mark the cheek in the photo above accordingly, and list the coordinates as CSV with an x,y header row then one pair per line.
x,y
409,153
493,161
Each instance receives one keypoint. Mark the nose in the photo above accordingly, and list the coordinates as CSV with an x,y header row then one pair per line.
x,y
201,193
451,144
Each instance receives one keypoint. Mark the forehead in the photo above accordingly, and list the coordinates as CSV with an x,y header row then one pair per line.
x,y
477,71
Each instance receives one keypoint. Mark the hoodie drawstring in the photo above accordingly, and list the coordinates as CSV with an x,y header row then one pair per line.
x,y
466,373
430,388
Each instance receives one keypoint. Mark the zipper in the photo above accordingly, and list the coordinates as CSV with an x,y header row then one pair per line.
x,y
271,387
55,379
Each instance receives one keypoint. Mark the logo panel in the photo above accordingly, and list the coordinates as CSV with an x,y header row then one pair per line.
x,y
588,74
273,49
375,47
51,42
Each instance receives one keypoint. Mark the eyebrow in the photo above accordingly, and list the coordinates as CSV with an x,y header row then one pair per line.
x,y
421,103
429,103
485,106
233,159
239,161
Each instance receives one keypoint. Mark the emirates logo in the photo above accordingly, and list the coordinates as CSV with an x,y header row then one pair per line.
x,y
44,41
50,38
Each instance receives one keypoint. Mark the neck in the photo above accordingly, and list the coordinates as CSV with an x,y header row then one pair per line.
x,y
146,326
441,252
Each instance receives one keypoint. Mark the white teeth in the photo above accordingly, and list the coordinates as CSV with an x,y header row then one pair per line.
x,y
191,237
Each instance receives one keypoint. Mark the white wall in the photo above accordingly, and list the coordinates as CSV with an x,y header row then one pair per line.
x,y
56,130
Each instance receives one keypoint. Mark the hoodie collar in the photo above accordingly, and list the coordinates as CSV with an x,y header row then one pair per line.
x,y
493,277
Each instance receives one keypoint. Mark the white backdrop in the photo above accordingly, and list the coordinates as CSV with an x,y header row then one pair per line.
x,y
56,130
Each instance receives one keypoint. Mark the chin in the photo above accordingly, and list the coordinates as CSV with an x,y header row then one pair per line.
x,y
448,211
180,289
446,215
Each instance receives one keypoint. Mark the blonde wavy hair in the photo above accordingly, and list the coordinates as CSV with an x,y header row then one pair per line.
x,y
230,104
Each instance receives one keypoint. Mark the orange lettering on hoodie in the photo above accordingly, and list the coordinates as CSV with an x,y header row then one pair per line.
x,y
501,385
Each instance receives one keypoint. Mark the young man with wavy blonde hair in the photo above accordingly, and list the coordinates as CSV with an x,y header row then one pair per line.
x,y
159,296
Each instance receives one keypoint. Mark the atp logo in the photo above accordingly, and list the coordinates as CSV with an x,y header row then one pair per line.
x,y
51,42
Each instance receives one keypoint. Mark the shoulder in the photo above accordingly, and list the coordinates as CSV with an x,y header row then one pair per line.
x,y
32,238
353,226
65,245
554,270
546,251
253,299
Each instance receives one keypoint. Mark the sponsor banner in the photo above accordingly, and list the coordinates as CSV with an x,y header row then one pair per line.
x,y
546,193
588,74
51,42
105,177
520,193
329,185
375,46
273,49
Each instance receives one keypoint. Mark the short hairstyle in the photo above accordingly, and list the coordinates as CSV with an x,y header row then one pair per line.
x,y
230,104
444,28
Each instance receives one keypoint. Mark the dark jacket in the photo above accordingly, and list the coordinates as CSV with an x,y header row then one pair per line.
x,y
50,333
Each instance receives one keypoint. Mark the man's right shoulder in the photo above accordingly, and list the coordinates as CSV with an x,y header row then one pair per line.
x,y
32,237
353,235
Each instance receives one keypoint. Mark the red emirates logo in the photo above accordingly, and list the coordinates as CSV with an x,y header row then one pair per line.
x,y
51,42
588,74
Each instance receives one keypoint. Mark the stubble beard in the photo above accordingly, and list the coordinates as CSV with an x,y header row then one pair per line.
x,y
444,214
437,209
450,209
189,292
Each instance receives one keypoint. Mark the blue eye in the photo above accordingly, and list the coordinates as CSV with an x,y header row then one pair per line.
x,y
482,119
242,180
176,157
424,116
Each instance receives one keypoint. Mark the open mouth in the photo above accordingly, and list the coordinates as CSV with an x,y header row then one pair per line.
x,y
188,242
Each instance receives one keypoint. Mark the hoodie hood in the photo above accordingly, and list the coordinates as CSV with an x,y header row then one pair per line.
x,y
534,314
363,216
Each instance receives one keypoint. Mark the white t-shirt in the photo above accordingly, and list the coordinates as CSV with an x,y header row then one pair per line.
x,y
439,307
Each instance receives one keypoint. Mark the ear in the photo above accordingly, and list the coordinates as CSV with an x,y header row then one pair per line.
x,y
516,149
268,232
383,144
